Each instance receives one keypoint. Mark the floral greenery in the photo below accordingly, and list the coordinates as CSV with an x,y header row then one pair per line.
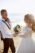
x,y
16,28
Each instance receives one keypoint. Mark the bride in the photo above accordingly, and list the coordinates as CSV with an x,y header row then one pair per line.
x,y
27,44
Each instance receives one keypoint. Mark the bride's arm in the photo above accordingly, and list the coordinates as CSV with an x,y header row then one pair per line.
x,y
25,34
21,34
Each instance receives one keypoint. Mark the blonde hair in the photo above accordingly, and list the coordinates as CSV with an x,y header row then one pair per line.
x,y
33,26
28,17
31,19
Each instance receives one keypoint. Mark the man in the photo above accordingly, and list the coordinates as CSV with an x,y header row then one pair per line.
x,y
5,29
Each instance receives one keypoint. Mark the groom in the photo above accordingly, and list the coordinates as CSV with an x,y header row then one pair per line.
x,y
5,29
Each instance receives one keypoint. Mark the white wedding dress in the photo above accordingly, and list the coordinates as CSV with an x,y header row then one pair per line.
x,y
27,45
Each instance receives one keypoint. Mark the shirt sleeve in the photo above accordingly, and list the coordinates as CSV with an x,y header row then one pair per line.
x,y
0,29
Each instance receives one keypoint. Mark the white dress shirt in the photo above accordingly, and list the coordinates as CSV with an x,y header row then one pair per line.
x,y
6,32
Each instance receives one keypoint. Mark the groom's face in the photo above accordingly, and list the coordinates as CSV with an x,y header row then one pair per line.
x,y
4,15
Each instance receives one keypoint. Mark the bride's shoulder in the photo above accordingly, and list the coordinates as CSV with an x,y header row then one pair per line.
x,y
27,29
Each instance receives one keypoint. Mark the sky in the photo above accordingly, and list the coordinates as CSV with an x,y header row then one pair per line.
x,y
18,8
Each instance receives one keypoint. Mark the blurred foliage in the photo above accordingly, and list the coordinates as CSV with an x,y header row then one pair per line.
x,y
17,28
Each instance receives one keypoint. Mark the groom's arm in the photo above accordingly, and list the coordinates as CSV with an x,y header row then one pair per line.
x,y
0,29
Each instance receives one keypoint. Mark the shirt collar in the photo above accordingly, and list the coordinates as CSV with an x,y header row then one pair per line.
x,y
3,19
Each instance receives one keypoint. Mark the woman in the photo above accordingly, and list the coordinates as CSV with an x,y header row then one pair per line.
x,y
27,44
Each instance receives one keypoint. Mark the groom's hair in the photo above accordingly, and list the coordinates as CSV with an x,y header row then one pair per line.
x,y
3,10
